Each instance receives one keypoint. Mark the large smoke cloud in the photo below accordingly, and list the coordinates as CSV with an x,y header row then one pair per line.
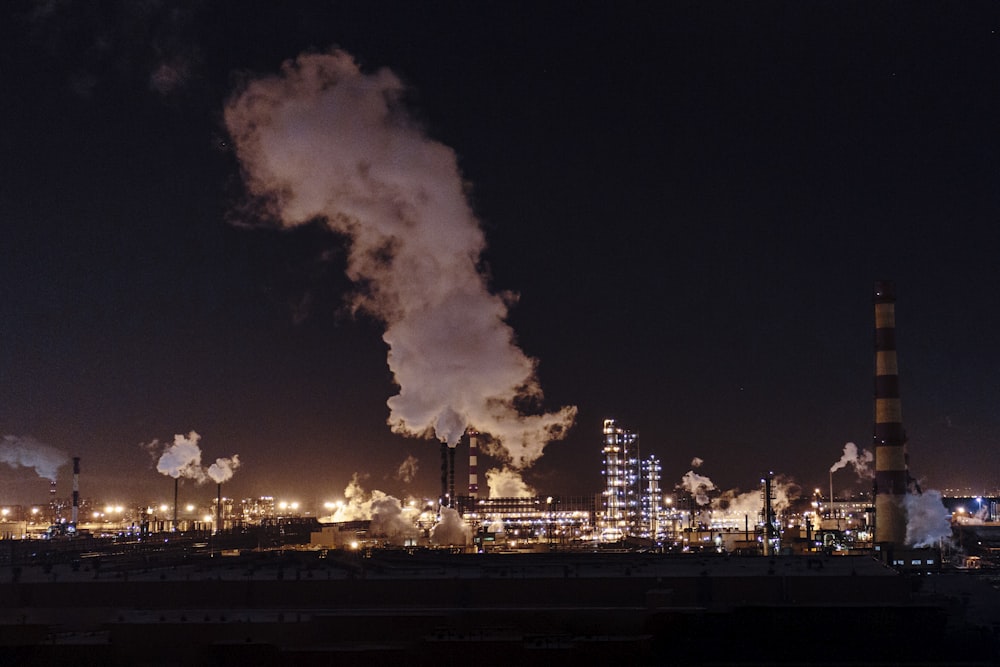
x,y
27,452
324,141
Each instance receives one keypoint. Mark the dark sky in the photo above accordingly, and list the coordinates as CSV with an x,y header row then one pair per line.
x,y
693,201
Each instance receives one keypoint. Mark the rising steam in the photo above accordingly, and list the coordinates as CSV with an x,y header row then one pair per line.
x,y
324,141
182,459
507,483
29,453
927,519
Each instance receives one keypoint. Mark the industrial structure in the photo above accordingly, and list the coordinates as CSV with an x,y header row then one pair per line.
x,y
889,438
622,473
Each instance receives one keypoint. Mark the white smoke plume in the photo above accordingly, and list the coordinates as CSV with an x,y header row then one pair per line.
x,y
696,462
27,452
390,519
928,521
222,470
508,483
698,486
450,530
733,507
325,141
407,470
182,458
860,459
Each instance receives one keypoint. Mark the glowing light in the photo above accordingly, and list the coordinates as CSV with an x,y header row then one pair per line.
x,y
163,508
190,508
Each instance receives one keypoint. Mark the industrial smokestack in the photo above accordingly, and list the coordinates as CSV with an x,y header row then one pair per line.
x,y
473,464
76,489
451,477
177,481
218,510
889,439
444,474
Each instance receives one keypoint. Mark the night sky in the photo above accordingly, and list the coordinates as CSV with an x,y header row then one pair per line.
x,y
692,202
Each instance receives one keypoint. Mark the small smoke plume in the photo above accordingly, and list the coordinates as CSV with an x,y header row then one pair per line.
x,y
507,483
182,459
222,470
927,519
698,486
860,459
325,141
407,471
29,453
450,530
696,462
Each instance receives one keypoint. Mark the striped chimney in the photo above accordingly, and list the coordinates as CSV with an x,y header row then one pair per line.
x,y
890,439
444,474
473,464
76,490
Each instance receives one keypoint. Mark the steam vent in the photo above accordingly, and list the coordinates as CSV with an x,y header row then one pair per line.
x,y
889,440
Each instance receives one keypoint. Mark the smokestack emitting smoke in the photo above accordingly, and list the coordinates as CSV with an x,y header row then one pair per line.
x,y
182,458
473,464
324,141
889,438
76,490
859,459
29,453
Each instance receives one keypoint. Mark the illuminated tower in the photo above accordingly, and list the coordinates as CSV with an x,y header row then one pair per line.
x,y
621,473
651,500
889,440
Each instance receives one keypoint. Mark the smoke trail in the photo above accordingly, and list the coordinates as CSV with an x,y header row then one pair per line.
x,y
696,462
860,459
927,519
27,452
507,483
222,470
324,141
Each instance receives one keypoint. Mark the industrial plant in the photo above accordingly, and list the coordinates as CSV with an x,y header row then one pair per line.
x,y
645,570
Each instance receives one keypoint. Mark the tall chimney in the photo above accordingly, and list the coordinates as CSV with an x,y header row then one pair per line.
x,y
218,511
177,481
451,476
473,464
444,474
890,439
76,489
